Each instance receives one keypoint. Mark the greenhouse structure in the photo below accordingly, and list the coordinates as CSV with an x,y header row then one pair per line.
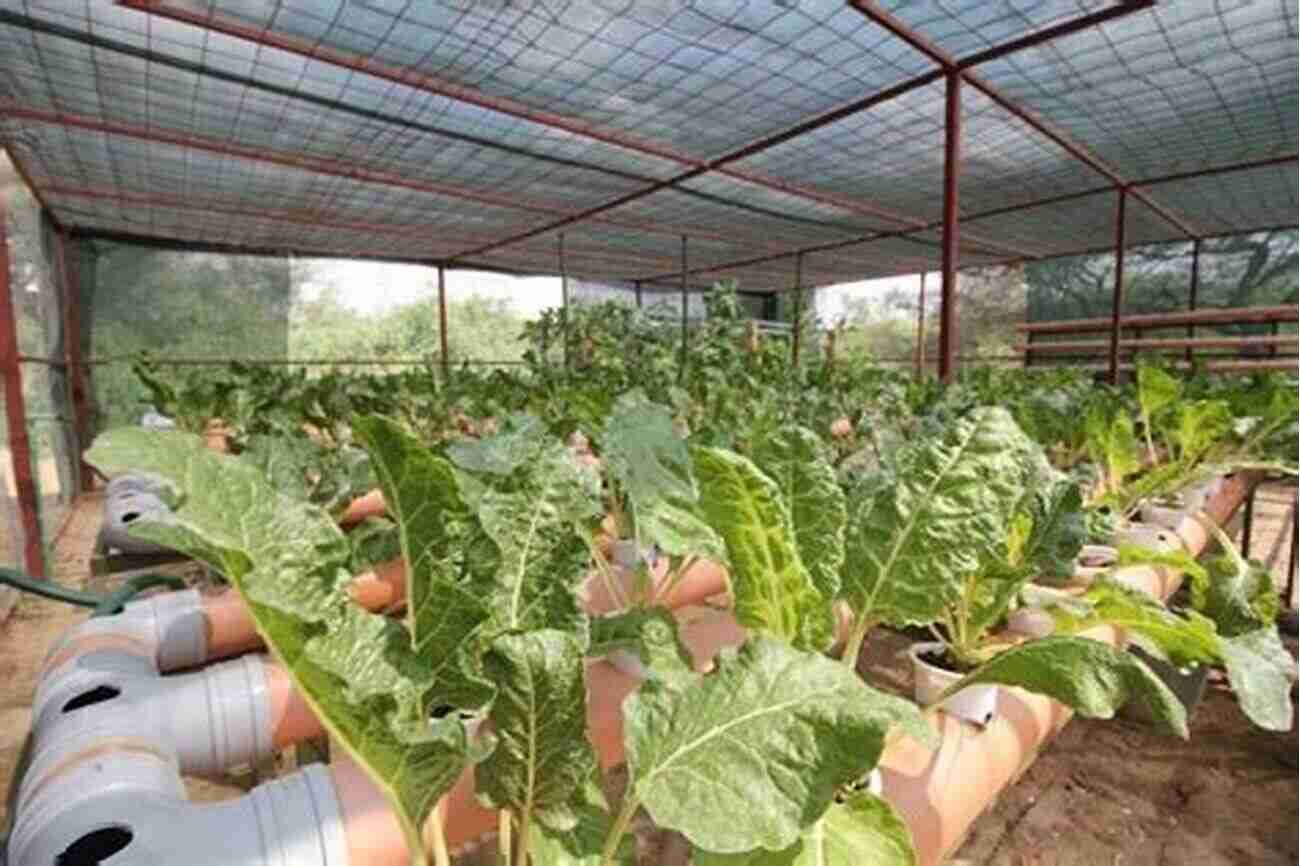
x,y
745,432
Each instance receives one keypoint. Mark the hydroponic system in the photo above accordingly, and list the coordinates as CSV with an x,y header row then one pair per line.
x,y
631,583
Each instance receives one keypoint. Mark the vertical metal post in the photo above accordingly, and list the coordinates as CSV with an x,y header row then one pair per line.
x,y
1191,293
798,310
442,324
951,227
637,286
681,366
564,298
1248,522
920,332
69,268
1117,299
1295,550
20,453
1273,332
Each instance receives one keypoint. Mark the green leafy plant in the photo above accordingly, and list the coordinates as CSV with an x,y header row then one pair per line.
x,y
496,538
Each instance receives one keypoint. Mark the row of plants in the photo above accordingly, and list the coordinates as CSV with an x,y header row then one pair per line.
x,y
911,504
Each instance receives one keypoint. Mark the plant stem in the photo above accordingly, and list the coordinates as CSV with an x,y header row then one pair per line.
x,y
618,829
438,835
854,646
504,846
521,839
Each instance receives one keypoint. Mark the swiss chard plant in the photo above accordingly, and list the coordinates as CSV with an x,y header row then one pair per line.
x,y
757,759
1229,623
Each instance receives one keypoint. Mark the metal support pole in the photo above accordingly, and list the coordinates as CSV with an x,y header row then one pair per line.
x,y
20,453
69,269
1191,292
798,310
564,298
1117,300
951,227
681,366
920,332
637,286
1248,522
442,324
1295,550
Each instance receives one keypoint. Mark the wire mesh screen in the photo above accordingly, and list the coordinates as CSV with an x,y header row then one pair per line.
x,y
180,305
35,281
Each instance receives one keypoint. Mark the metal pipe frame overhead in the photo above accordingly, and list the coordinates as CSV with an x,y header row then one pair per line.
x,y
474,249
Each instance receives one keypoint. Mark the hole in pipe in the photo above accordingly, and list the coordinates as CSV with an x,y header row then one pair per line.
x,y
97,695
96,846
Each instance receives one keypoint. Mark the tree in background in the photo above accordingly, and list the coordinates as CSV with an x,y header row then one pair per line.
x,y
1243,271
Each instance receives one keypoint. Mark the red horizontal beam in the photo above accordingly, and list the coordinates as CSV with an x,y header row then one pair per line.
x,y
1217,170
429,84
333,168
873,11
419,232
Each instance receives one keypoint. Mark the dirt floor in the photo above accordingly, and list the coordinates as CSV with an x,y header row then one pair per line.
x,y
1102,794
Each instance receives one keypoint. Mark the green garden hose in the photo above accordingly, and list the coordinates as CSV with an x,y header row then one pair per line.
x,y
102,605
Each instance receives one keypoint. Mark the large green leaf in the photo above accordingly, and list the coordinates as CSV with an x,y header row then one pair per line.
x,y
914,535
1261,672
650,634
518,443
539,525
1240,596
1179,640
443,612
542,758
1090,677
771,587
286,559
752,755
792,457
653,465
862,831
583,844
1060,528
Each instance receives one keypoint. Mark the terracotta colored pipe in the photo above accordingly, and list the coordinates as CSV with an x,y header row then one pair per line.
x,y
940,793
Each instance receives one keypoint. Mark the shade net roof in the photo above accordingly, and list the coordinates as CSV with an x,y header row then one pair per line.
x,y
475,133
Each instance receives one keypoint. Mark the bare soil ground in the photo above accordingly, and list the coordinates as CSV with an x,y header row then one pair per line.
x,y
1102,794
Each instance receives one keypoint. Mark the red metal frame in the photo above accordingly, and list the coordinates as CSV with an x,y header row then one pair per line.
x,y
169,8
20,449
1117,298
950,251
442,324
69,271
873,11
1191,291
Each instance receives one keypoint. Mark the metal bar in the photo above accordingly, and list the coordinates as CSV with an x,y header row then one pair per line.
x,y
1117,297
1295,550
20,449
1231,316
637,286
445,356
564,297
681,367
920,332
69,271
1273,331
1248,522
1056,31
798,310
873,11
1217,169
951,226
316,165
1191,293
